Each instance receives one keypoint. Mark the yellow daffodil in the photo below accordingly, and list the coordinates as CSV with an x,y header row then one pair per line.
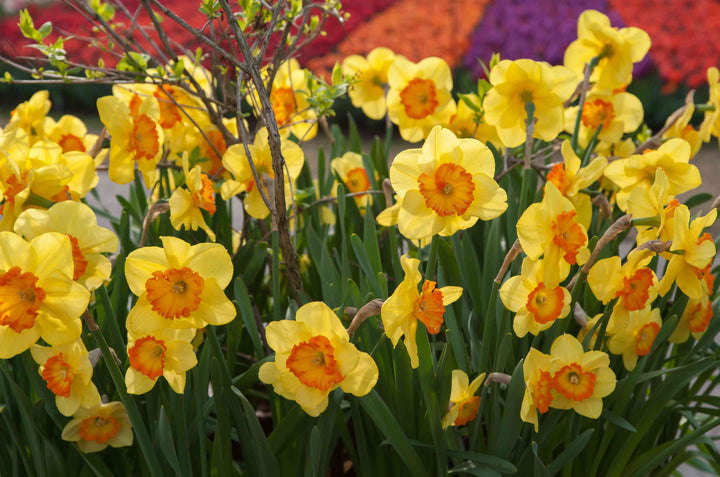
x,y
82,177
581,379
135,137
211,146
166,352
470,122
313,356
694,251
570,179
71,134
401,312
289,99
538,386
639,170
617,48
370,75
711,120
88,240
464,404
179,286
38,298
351,170
237,163
550,229
654,202
635,335
618,112
31,117
682,128
186,205
536,304
634,283
67,371
99,426
419,96
694,320
516,83
446,186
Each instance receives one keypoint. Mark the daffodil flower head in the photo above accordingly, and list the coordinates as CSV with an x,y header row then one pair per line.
x,y
186,205
31,117
70,133
67,371
313,356
419,96
581,379
517,83
167,352
618,50
446,186
38,298
654,202
549,229
618,112
88,240
470,121
694,252
179,286
371,76
635,336
464,403
536,304
402,310
694,320
682,128
538,386
639,170
61,175
570,179
135,137
633,283
351,170
96,427
711,120
238,164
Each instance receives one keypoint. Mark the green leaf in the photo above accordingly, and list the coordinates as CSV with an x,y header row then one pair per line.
x,y
538,465
617,420
247,315
508,432
496,463
389,427
362,256
166,441
698,199
566,457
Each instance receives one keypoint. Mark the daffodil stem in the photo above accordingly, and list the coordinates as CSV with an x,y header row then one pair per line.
x,y
488,331
589,67
141,432
432,258
111,318
591,146
529,131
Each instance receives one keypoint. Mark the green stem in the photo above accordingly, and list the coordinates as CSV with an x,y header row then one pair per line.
x,y
586,80
277,294
141,432
432,258
111,319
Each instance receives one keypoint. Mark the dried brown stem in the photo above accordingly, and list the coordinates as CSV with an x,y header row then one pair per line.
x,y
372,308
509,257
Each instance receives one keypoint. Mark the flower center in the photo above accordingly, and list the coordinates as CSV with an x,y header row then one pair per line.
x,y
700,317
170,114
79,262
14,185
597,112
205,197
568,235
20,299
574,383
558,176
644,338
283,103
449,191
70,142
147,355
216,139
429,307
467,410
545,304
357,180
98,428
419,98
313,363
58,375
175,292
144,142
636,289
542,391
